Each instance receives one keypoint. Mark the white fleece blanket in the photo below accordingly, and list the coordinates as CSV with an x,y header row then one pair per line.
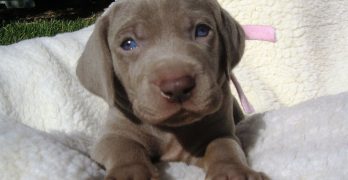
x,y
47,119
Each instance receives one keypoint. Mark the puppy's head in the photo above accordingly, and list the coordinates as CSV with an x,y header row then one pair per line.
x,y
163,62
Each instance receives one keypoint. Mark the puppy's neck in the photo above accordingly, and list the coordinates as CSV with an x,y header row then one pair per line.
x,y
187,143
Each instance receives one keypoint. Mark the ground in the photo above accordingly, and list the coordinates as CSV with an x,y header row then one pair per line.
x,y
54,10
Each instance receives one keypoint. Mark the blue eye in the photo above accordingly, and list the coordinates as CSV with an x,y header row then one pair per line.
x,y
202,30
129,44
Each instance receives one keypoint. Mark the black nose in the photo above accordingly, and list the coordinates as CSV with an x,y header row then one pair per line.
x,y
178,89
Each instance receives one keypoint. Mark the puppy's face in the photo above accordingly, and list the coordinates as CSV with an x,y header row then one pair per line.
x,y
171,57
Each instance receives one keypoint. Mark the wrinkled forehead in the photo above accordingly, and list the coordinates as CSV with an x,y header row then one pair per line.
x,y
154,12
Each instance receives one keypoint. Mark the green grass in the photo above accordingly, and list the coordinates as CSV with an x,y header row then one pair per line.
x,y
20,30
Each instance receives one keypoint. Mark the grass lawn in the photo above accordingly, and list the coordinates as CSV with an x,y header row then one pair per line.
x,y
16,31
20,30
48,18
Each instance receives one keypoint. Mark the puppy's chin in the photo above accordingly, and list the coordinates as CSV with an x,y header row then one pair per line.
x,y
182,118
175,114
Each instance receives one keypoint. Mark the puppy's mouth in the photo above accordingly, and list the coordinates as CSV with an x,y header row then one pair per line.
x,y
174,114
179,118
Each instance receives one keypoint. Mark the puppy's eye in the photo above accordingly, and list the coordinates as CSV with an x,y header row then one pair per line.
x,y
202,30
129,44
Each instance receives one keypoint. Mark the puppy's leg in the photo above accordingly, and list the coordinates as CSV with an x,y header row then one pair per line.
x,y
224,159
124,158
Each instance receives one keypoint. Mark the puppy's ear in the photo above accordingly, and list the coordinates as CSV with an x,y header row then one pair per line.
x,y
233,41
95,68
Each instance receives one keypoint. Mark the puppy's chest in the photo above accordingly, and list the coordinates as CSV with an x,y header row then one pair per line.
x,y
172,150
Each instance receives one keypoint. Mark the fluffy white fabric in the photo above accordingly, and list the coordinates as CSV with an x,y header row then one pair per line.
x,y
47,119
307,141
310,58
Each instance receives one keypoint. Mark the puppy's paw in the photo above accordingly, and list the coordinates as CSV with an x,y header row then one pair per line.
x,y
132,172
225,171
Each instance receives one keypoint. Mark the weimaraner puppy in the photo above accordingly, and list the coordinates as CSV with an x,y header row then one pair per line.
x,y
163,67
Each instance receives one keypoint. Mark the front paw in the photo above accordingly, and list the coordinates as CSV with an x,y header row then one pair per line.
x,y
132,172
228,171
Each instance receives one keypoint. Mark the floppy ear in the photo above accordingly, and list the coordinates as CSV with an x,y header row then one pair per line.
x,y
233,41
94,68
96,73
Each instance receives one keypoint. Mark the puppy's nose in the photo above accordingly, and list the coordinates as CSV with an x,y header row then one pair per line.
x,y
177,89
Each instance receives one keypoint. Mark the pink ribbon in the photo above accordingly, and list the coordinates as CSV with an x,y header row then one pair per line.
x,y
253,32
260,32
247,107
